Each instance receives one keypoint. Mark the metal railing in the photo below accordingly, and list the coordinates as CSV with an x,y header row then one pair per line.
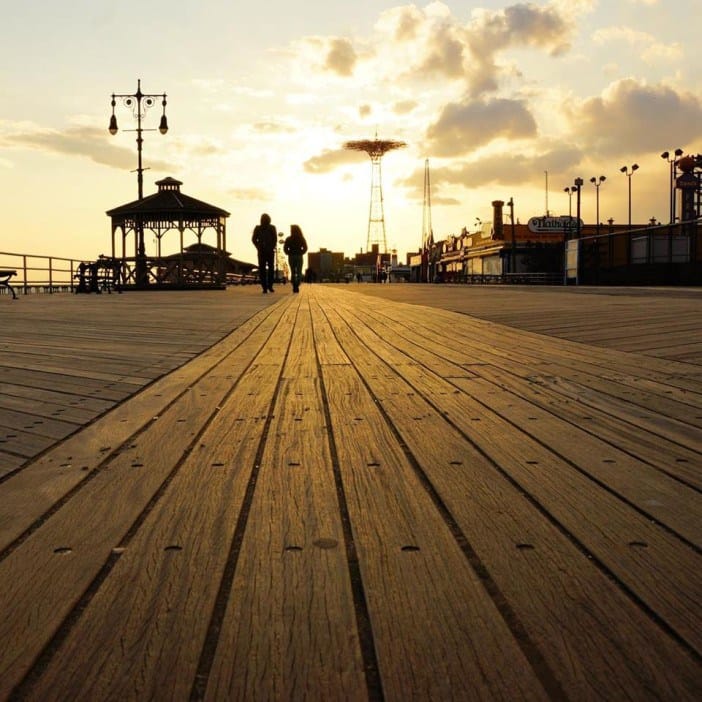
x,y
660,254
506,278
40,274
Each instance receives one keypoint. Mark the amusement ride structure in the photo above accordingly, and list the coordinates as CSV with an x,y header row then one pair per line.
x,y
376,149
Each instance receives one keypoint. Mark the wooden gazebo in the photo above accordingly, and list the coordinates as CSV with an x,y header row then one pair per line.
x,y
169,210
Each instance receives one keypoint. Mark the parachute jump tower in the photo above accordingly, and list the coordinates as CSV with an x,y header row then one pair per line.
x,y
376,149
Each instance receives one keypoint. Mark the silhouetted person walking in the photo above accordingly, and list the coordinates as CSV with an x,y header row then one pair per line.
x,y
295,247
265,240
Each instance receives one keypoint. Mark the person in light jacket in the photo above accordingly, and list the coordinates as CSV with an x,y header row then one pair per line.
x,y
295,247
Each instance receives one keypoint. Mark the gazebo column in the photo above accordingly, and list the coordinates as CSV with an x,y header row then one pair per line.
x,y
222,246
142,274
181,263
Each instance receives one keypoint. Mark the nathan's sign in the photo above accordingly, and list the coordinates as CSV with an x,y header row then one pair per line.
x,y
544,225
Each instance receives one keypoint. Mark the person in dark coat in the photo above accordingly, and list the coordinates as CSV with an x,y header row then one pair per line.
x,y
265,239
295,247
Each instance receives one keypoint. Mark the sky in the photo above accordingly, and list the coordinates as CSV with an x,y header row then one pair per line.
x,y
502,99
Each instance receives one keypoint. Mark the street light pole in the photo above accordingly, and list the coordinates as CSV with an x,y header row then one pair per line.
x,y
139,103
570,192
513,262
597,182
578,182
672,160
628,173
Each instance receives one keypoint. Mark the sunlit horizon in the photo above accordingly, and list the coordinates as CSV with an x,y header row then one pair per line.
x,y
505,99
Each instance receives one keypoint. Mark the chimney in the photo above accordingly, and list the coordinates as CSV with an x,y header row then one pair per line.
x,y
498,228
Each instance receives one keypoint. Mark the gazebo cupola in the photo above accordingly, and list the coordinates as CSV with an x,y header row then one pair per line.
x,y
169,184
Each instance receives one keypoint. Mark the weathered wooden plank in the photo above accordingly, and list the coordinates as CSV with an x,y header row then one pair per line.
x,y
652,492
126,370
528,547
43,426
9,462
26,496
30,405
637,552
682,428
496,345
414,570
517,546
292,565
673,420
673,459
557,311
511,307
90,387
147,622
41,397
23,443
54,565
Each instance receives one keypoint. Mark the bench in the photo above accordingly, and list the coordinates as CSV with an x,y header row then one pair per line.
x,y
5,276
96,276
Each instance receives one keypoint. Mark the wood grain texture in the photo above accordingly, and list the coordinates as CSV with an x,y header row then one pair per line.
x,y
289,631
478,494
358,492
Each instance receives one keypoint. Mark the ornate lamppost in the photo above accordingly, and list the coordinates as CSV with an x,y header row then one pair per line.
x,y
628,173
672,160
597,182
139,103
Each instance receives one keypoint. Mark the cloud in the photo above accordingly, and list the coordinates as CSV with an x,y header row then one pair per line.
x,y
498,169
336,55
444,53
272,127
506,168
330,160
84,141
437,44
530,25
249,194
657,52
414,190
524,24
403,107
631,117
646,45
341,57
463,127
410,44
364,111
401,24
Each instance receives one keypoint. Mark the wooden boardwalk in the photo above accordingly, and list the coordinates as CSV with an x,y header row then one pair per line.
x,y
339,495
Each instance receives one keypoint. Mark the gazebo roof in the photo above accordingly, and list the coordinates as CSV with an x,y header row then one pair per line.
x,y
170,202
